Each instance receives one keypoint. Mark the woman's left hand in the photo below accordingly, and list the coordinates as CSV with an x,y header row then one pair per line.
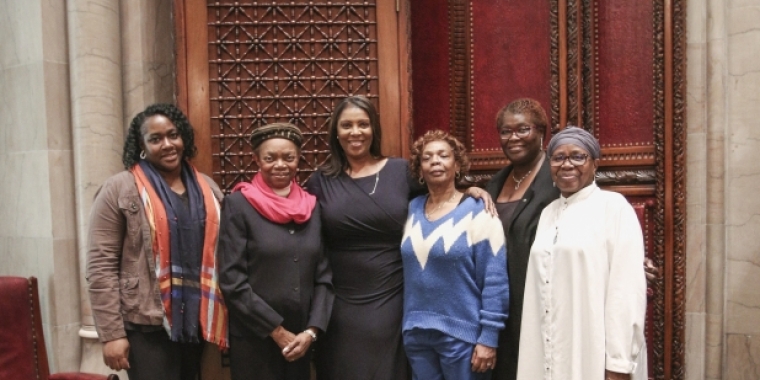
x,y
609,375
479,193
483,358
297,348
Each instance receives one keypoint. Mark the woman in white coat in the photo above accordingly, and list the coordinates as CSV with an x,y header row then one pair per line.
x,y
585,292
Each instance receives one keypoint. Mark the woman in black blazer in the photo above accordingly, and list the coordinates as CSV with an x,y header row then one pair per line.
x,y
273,274
520,191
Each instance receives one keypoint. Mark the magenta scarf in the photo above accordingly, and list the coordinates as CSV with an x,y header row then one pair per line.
x,y
297,206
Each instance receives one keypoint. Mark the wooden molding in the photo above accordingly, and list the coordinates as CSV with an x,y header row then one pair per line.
x,y
193,75
389,66
636,155
485,160
625,177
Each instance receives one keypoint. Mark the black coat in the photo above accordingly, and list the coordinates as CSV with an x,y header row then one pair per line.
x,y
520,236
272,274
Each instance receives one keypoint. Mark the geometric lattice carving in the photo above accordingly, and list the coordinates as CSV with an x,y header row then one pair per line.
x,y
279,61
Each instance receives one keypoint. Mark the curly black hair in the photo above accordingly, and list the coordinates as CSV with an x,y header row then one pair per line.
x,y
457,148
131,154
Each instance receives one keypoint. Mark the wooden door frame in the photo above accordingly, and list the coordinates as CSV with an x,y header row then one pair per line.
x,y
193,79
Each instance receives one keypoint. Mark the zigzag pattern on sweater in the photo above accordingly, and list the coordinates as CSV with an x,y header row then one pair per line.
x,y
472,226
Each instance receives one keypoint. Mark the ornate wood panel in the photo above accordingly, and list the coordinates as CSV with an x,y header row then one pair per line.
x,y
613,67
471,64
281,61
284,62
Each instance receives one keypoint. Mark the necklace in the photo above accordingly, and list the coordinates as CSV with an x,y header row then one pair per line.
x,y
427,214
377,179
377,176
519,181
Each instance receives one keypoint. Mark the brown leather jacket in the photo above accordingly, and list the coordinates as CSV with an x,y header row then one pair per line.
x,y
120,266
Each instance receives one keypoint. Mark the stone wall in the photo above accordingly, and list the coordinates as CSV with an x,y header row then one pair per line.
x,y
723,249
37,208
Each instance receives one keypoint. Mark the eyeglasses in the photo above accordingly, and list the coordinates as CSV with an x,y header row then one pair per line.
x,y
521,131
576,159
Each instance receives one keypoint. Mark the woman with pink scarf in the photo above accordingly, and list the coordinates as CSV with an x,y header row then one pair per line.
x,y
273,274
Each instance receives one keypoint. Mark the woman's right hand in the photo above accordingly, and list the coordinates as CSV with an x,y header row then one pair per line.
x,y
483,358
282,337
116,354
298,347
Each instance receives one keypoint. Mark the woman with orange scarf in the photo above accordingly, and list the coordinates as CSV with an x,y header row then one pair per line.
x,y
151,261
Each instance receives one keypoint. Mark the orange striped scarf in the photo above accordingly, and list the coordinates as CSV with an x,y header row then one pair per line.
x,y
213,315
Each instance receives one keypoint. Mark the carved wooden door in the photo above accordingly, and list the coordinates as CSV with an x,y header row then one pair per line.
x,y
244,64
614,67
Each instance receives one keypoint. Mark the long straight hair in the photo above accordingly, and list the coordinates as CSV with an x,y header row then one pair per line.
x,y
338,162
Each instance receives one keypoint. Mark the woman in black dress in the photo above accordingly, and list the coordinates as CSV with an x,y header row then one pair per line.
x,y
274,276
363,197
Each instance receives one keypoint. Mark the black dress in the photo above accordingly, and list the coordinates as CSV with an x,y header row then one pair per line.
x,y
270,274
519,237
362,236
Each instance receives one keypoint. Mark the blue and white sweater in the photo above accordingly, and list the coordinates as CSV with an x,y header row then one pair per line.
x,y
455,273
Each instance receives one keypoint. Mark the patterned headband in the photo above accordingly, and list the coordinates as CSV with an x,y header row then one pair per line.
x,y
277,130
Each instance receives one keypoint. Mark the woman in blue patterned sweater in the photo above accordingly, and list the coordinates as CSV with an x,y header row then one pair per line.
x,y
456,292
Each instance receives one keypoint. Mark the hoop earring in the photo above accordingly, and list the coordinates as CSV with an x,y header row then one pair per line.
x,y
542,143
458,175
142,154
421,181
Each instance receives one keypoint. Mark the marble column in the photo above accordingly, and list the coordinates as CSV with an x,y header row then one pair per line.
x,y
148,49
37,222
697,158
97,127
742,203
715,185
